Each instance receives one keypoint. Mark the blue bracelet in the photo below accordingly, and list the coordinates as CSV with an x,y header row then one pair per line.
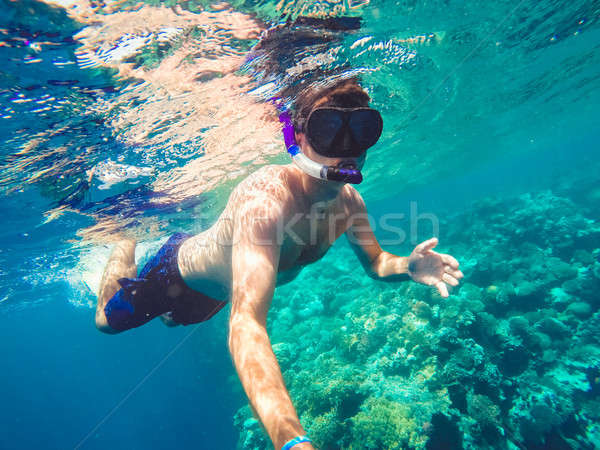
x,y
296,440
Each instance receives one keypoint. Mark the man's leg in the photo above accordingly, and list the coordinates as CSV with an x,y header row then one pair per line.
x,y
121,264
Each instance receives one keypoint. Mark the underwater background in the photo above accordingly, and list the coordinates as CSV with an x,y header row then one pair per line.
x,y
140,118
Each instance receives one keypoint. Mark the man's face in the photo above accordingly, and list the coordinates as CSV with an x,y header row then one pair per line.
x,y
347,162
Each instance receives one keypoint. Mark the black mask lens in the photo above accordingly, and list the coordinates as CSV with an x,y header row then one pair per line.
x,y
340,132
366,126
322,128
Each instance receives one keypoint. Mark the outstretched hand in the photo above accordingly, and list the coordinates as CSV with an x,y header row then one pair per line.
x,y
433,269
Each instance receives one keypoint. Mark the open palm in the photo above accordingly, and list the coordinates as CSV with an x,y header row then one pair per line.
x,y
433,269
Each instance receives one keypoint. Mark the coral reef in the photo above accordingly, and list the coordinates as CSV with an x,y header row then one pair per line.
x,y
510,360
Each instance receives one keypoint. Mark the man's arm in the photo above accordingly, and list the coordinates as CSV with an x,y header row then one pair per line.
x,y
255,258
423,265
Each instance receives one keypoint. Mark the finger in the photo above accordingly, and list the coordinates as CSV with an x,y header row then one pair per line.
x,y
455,273
426,245
450,260
442,288
447,278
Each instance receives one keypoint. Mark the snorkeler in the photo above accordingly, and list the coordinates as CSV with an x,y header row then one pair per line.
x,y
276,221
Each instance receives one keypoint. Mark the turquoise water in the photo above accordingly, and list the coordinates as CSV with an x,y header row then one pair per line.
x,y
142,118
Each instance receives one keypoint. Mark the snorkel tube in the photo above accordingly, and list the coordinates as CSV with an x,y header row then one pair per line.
x,y
307,165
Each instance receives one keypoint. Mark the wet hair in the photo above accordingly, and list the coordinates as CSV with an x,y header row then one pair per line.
x,y
279,59
347,93
283,46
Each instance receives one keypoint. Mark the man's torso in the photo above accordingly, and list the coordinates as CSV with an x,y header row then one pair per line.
x,y
305,232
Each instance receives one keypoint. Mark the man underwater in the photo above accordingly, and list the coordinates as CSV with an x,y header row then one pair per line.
x,y
276,221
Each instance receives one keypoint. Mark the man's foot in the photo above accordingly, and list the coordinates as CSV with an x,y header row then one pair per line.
x,y
121,264
167,319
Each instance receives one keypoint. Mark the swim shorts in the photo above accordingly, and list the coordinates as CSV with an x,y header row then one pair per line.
x,y
159,289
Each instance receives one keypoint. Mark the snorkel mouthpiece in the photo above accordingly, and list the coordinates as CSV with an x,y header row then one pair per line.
x,y
352,176
306,164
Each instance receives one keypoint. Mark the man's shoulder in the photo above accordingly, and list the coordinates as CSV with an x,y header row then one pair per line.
x,y
276,171
268,185
351,198
271,173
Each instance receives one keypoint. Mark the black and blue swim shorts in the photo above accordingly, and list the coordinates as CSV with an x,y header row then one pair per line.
x,y
159,289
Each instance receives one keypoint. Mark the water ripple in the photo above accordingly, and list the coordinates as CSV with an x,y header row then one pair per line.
x,y
129,115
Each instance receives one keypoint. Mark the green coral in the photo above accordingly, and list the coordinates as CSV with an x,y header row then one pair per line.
x,y
326,430
383,424
483,410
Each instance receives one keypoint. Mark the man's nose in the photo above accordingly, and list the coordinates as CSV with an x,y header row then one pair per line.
x,y
347,139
